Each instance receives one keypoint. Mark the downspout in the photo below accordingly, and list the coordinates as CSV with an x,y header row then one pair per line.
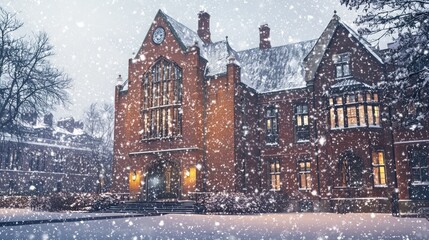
x,y
392,137
204,165
260,165
316,144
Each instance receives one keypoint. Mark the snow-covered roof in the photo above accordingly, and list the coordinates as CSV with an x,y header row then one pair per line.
x,y
185,35
265,70
364,42
314,57
349,84
217,54
124,87
274,69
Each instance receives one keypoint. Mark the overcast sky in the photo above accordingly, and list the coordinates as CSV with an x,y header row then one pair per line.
x,y
94,39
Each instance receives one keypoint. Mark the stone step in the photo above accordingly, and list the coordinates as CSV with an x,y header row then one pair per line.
x,y
153,207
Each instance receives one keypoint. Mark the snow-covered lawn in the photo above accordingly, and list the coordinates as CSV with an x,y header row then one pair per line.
x,y
15,214
265,226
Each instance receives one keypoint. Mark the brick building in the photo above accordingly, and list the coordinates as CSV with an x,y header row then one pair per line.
x,y
43,158
306,120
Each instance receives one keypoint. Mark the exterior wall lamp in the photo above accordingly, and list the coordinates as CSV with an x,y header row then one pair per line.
x,y
134,177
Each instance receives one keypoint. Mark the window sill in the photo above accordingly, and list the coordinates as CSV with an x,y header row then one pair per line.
x,y
357,127
343,77
380,186
161,138
420,183
304,189
272,144
274,190
303,141
344,188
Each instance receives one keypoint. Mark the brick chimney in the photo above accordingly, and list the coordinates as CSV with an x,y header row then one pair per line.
x,y
264,37
204,26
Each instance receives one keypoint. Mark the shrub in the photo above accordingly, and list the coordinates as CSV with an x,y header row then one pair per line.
x,y
104,200
14,201
240,203
273,201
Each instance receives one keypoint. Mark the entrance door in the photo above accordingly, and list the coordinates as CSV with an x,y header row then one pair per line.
x,y
163,181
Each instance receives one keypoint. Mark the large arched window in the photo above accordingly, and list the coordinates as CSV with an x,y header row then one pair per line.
x,y
162,101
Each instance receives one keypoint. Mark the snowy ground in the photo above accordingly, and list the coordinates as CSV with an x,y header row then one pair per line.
x,y
10,215
266,226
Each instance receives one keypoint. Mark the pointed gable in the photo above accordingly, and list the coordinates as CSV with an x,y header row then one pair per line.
x,y
314,58
183,34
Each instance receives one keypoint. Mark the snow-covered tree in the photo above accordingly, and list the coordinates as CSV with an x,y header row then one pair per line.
x,y
29,83
99,123
407,22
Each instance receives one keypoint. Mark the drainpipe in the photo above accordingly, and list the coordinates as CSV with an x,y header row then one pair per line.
x,y
204,164
316,144
392,136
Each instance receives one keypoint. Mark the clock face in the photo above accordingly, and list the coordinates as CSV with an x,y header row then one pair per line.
x,y
158,35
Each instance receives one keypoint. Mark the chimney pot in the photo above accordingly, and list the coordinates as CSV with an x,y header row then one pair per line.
x,y
119,81
204,27
264,37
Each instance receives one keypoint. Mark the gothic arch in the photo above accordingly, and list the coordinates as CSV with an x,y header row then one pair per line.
x,y
163,180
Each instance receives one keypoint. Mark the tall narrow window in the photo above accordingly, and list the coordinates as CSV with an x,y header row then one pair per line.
x,y
162,101
419,166
342,65
302,133
275,175
351,111
271,124
378,168
304,174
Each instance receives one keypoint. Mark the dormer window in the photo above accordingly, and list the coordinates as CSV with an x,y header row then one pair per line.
x,y
342,65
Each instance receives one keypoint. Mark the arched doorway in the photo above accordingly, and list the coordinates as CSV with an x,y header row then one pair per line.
x,y
163,180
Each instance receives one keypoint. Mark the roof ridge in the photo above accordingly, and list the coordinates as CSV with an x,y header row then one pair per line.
x,y
304,41
176,21
364,41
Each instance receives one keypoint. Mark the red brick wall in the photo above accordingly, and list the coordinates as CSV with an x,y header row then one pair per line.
x,y
362,141
130,105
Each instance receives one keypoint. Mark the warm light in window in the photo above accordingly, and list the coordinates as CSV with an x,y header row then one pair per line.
x,y
134,177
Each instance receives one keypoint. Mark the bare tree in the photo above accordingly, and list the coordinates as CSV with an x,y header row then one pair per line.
x,y
407,21
98,121
28,81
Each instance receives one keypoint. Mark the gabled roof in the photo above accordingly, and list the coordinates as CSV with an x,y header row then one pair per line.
x,y
265,70
313,59
364,42
183,34
274,69
217,55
